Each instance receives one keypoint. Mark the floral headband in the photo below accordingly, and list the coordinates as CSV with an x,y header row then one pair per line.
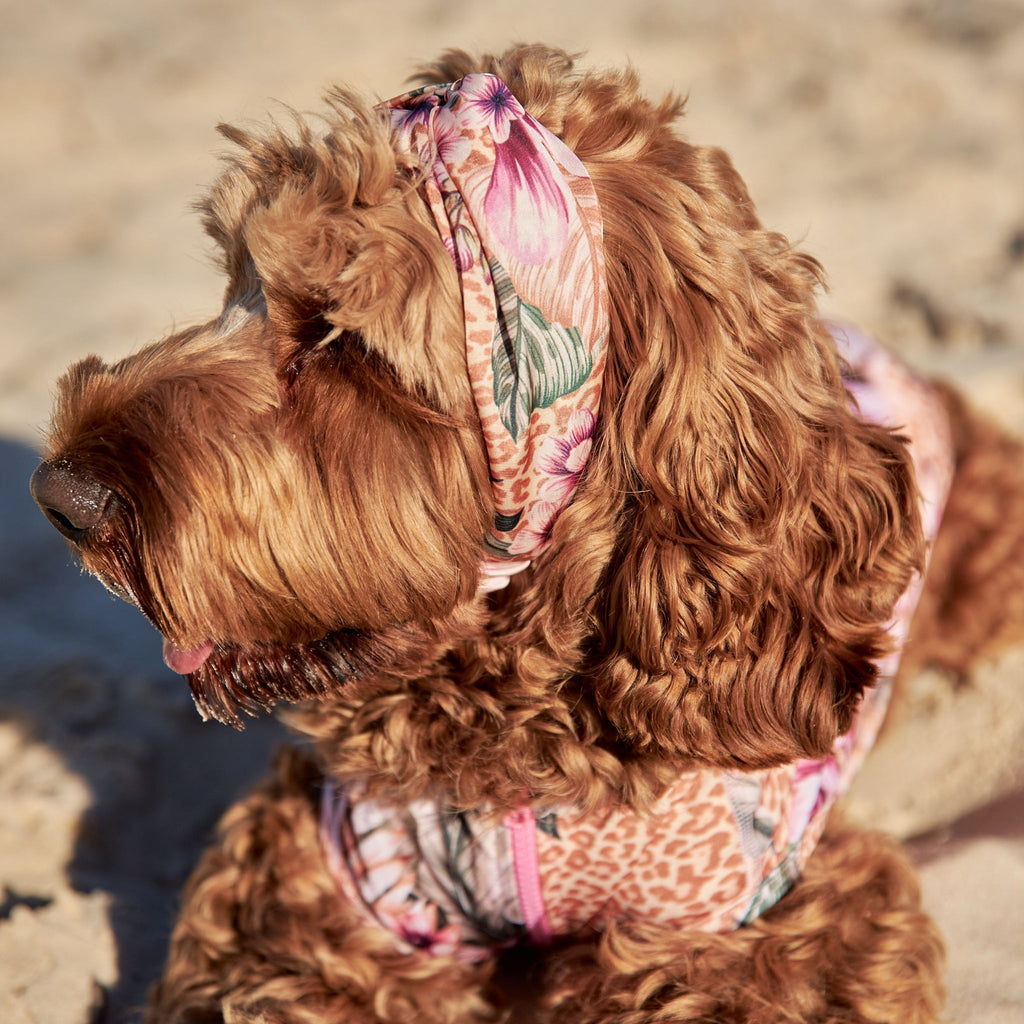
x,y
519,216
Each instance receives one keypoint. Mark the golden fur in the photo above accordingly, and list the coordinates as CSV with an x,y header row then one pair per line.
x,y
303,482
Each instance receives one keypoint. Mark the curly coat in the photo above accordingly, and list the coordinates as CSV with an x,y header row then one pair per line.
x,y
302,482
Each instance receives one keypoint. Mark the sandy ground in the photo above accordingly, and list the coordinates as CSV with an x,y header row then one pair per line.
x,y
887,134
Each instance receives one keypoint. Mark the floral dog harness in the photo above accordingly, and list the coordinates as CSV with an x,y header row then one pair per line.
x,y
520,219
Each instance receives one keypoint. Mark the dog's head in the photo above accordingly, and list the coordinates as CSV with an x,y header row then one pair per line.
x,y
297,493
305,472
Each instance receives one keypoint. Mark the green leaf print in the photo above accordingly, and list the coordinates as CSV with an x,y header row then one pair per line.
x,y
548,824
534,361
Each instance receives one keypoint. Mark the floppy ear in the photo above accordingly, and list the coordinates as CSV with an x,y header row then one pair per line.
x,y
768,531
327,231
740,536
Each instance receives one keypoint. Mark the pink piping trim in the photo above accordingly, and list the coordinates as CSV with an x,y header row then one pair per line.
x,y
523,828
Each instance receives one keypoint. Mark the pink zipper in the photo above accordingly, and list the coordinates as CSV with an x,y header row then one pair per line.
x,y
522,826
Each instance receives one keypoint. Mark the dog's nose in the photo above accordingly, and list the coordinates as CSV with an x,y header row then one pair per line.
x,y
73,501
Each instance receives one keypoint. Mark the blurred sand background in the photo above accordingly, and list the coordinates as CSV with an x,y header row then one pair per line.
x,y
888,135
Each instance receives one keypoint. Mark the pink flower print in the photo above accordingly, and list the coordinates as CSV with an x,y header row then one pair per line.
x,y
463,247
434,132
536,531
419,924
462,243
527,203
449,137
490,103
527,206
563,460
405,119
815,785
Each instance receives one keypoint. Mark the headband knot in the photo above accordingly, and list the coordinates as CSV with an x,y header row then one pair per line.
x,y
519,216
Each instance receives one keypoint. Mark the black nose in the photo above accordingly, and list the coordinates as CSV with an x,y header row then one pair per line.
x,y
73,501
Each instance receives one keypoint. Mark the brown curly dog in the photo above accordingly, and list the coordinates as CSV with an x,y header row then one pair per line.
x,y
522,463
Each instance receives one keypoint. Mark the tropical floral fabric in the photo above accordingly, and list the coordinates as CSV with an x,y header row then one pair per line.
x,y
519,216
442,880
718,849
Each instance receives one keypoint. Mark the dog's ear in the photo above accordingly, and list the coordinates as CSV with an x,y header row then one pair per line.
x,y
768,530
328,232
754,533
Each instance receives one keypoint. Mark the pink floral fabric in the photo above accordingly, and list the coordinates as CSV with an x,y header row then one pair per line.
x,y
720,847
520,218
441,880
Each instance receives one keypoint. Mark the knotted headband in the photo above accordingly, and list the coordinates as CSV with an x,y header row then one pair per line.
x,y
520,218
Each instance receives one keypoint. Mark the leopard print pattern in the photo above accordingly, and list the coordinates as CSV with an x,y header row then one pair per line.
x,y
697,860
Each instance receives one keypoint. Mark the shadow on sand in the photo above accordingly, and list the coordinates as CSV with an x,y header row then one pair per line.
x,y
81,673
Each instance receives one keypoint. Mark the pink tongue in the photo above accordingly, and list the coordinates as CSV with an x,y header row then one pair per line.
x,y
185,662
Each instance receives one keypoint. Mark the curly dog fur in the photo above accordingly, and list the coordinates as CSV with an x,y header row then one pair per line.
x,y
302,484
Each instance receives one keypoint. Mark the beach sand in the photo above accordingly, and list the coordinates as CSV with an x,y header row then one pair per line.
x,y
886,137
